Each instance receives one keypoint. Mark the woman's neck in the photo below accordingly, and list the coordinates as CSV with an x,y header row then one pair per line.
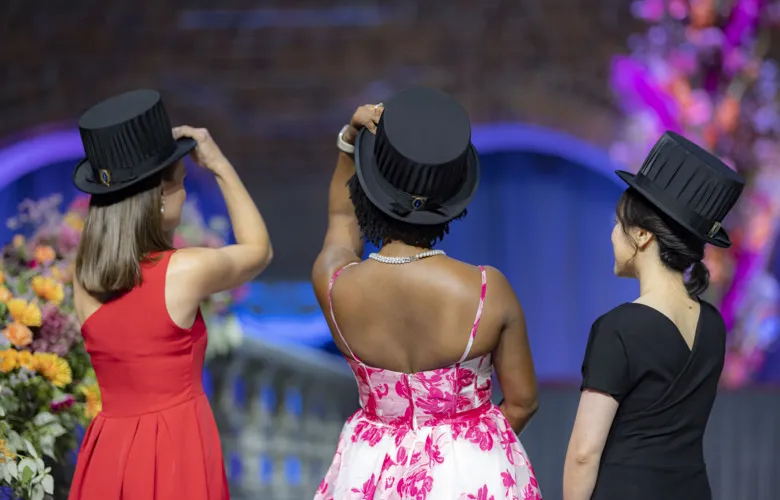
x,y
655,278
398,249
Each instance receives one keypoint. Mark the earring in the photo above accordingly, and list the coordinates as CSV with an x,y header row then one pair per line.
x,y
162,208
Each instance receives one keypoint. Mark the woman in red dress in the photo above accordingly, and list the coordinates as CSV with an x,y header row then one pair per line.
x,y
138,301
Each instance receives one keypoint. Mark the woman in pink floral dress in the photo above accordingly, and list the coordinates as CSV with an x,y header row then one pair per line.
x,y
421,331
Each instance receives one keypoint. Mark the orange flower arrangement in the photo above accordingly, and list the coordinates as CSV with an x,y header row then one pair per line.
x,y
8,360
94,403
43,364
18,334
28,314
45,255
25,359
48,289
53,367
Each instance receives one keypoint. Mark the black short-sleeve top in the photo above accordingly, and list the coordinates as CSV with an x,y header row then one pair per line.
x,y
637,355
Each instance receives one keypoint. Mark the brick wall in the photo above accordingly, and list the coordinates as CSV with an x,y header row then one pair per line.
x,y
275,80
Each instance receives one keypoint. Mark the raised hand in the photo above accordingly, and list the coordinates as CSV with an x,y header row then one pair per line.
x,y
206,154
366,116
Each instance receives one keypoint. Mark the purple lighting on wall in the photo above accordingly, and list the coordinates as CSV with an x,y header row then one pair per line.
x,y
29,155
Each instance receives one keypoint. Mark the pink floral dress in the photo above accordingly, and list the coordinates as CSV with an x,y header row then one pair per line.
x,y
428,435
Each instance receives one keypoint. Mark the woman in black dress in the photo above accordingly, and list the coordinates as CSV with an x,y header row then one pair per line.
x,y
652,366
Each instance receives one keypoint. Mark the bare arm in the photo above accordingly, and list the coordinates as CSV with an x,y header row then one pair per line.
x,y
205,271
512,358
343,241
591,428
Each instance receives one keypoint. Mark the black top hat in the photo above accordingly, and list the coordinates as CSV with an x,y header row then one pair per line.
x,y
420,167
690,185
127,138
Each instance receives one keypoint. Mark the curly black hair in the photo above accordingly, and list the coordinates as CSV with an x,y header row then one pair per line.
x,y
379,228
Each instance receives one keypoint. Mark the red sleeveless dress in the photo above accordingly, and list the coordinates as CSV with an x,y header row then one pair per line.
x,y
156,438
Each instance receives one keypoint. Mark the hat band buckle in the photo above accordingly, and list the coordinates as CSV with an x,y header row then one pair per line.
x,y
714,230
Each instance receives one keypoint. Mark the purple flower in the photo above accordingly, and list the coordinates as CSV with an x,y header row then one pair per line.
x,y
58,332
68,240
61,403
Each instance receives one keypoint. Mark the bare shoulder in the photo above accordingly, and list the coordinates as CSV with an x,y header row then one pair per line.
x,y
499,284
328,263
501,295
188,259
205,271
496,277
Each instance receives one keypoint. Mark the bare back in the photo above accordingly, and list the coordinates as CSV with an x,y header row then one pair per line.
x,y
415,317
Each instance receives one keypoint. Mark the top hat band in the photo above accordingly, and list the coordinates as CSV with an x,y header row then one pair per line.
x,y
108,177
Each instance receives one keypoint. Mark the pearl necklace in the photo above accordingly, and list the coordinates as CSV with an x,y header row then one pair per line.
x,y
405,260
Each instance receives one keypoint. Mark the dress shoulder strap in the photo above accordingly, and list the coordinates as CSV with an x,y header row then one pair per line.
x,y
333,314
475,326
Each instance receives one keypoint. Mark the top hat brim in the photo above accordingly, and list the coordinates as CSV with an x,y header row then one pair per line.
x,y
385,196
719,239
82,175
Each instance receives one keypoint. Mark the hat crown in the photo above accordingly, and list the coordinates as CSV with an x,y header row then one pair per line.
x,y
692,176
422,143
124,133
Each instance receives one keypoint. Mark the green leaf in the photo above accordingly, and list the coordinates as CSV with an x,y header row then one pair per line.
x,y
47,446
2,412
11,469
30,449
15,440
37,492
28,468
55,430
44,418
48,484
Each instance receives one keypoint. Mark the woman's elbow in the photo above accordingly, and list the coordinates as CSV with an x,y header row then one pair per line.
x,y
268,255
261,258
584,456
519,415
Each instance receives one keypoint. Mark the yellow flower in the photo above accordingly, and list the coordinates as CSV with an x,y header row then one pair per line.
x,y
48,288
5,294
25,360
45,254
18,241
53,368
22,312
5,452
18,334
74,220
94,402
8,360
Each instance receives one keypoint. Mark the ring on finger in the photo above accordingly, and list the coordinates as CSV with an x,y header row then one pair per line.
x,y
377,106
